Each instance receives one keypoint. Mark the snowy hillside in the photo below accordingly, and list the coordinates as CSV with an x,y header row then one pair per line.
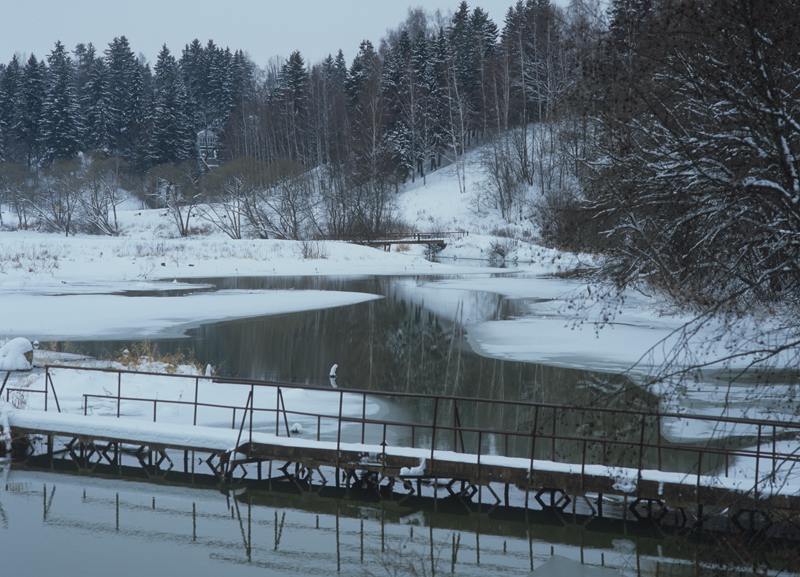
x,y
59,288
439,205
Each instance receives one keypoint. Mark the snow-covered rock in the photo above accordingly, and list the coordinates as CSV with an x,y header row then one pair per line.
x,y
16,355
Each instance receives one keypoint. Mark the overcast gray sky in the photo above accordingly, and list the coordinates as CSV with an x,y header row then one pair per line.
x,y
262,28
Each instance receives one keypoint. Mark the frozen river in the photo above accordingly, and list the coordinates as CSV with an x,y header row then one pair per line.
x,y
415,338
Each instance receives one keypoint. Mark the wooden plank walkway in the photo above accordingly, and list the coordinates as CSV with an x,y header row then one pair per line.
x,y
675,490
553,482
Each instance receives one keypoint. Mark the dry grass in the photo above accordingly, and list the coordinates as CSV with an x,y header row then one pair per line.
x,y
145,356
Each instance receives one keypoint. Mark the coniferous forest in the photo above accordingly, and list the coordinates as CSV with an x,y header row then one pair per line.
x,y
664,134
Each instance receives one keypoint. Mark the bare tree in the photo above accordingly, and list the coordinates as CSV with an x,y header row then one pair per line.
x,y
504,181
175,188
104,189
700,178
17,191
59,199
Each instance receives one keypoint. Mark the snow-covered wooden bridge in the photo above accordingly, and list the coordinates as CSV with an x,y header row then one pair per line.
x,y
386,241
498,453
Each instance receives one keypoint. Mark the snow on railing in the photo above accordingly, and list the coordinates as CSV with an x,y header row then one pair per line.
x,y
760,451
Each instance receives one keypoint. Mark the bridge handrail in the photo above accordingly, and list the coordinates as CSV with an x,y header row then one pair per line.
x,y
394,237
458,399
735,452
633,448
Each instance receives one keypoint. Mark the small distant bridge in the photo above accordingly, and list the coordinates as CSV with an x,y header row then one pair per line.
x,y
602,461
386,241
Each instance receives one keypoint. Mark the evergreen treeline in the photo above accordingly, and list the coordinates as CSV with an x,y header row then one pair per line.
x,y
209,124
113,104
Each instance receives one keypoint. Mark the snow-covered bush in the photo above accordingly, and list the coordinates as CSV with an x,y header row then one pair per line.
x,y
16,355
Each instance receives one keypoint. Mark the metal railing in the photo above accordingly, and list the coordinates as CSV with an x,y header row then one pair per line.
x,y
397,237
534,431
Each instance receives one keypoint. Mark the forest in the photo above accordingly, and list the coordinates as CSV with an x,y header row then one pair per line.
x,y
663,134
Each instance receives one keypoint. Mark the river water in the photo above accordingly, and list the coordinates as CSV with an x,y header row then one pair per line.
x,y
412,340
66,525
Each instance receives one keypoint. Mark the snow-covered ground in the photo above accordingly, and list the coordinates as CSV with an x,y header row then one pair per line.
x,y
57,288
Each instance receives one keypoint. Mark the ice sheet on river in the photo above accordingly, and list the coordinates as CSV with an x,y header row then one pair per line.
x,y
112,316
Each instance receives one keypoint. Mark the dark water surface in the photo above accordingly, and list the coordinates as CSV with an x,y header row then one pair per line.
x,y
79,526
412,340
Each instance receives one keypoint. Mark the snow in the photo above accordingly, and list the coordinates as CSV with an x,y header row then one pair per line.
x,y
71,288
117,316
625,480
738,478
13,355
558,566
417,471
562,328
139,391
130,430
58,288
5,429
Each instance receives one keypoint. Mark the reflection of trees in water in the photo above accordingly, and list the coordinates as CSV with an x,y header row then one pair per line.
x,y
398,344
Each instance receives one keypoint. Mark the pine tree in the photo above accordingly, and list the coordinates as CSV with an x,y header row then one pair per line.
x,y
216,81
438,103
32,104
97,109
126,98
228,92
462,49
83,58
364,70
424,64
337,128
243,79
195,72
294,95
171,136
3,121
218,95
60,127
10,109
338,72
484,38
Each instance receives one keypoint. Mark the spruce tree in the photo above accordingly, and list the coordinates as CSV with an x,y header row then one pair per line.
x,y
194,70
60,127
32,103
125,88
97,109
221,84
10,96
171,138
294,95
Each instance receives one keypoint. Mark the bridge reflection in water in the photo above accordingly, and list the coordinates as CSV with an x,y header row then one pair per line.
x,y
83,522
484,452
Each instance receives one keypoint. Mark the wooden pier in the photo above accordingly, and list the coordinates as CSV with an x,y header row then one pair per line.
x,y
548,463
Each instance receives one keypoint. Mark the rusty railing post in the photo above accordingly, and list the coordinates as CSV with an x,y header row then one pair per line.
x,y
196,396
433,427
252,408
